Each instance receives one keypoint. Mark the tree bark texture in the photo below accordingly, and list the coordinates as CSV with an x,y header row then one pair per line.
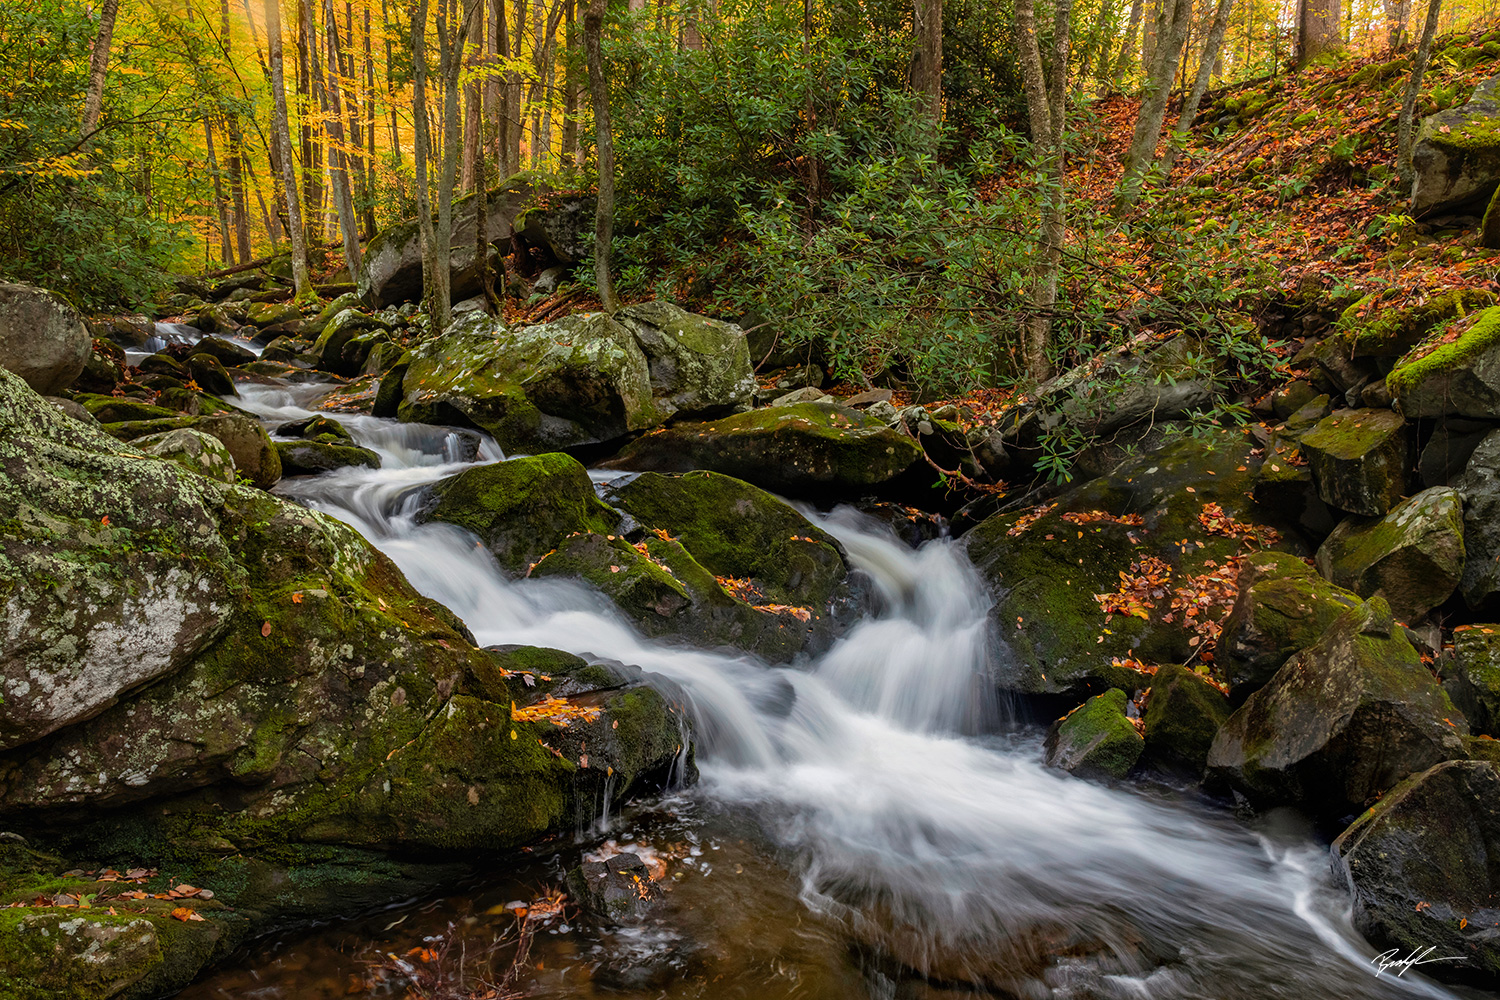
x,y
93,102
281,133
1318,29
927,68
604,216
1211,46
1407,117
1153,111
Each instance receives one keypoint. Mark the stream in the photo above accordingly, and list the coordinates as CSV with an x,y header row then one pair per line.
x,y
866,814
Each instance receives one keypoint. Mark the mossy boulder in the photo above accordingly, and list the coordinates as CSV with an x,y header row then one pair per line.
x,y
1084,585
163,364
264,314
1461,378
308,458
1096,739
1183,714
1456,155
1341,722
318,427
1480,488
388,392
43,339
523,508
192,450
255,456
1283,607
808,449
116,409
1471,676
209,374
226,352
1413,557
699,366
1366,330
1359,460
345,329
579,380
1423,868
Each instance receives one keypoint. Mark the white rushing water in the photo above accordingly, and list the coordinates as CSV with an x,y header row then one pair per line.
x,y
880,769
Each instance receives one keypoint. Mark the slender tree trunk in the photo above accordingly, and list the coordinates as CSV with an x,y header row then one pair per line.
x,y
453,41
221,206
372,164
515,120
481,215
312,160
472,101
604,216
1116,74
266,218
494,29
1211,47
281,135
1407,117
390,83
1318,29
1397,14
93,101
927,69
437,305
570,91
1154,106
338,158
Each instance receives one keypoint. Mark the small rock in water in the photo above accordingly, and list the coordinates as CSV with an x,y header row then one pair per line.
x,y
617,890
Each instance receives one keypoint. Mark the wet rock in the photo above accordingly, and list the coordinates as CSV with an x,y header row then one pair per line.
x,y
1096,739
104,369
1283,607
264,314
42,337
224,351
1456,155
1461,378
210,375
163,364
801,450
1341,722
1446,454
1292,397
193,450
1423,867
1471,676
254,454
1183,714
344,329
1413,557
127,331
308,458
617,890
114,409
1480,488
521,509
579,380
317,428
1359,460
699,366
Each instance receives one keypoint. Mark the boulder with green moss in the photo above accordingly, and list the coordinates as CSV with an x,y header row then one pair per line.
x,y
308,458
255,456
1083,586
523,508
1341,722
1480,488
1359,460
805,449
699,366
1471,676
194,450
340,331
1455,156
1283,607
209,374
578,380
264,314
1413,557
116,409
226,352
1096,739
1461,378
1183,714
1423,869
1367,330
43,339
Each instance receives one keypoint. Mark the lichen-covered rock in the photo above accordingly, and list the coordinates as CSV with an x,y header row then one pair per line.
x,y
578,380
345,328
1341,722
308,458
255,456
1359,460
1283,607
1456,155
225,352
806,449
1471,676
264,314
1084,586
1096,739
1413,557
1366,330
698,365
42,337
1183,714
1480,488
192,450
1461,378
1423,868
521,509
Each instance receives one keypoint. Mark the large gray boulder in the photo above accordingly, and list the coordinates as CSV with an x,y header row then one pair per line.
x,y
1480,488
699,366
1456,155
1413,557
1423,868
42,337
1342,722
1359,460
393,258
1471,676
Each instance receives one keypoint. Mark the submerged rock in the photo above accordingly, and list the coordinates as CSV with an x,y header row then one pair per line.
x,y
1413,557
42,338
1342,722
618,890
1096,739
1423,867
804,449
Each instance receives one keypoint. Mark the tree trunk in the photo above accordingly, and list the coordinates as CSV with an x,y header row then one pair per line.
x,y
267,219
93,102
927,67
312,160
338,158
1211,47
281,135
1414,87
1127,48
493,101
604,216
367,208
1154,106
452,41
471,115
1318,30
481,217
515,117
570,92
437,306
390,84
221,206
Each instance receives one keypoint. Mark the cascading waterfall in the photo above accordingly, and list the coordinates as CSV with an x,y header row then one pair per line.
x,y
907,815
